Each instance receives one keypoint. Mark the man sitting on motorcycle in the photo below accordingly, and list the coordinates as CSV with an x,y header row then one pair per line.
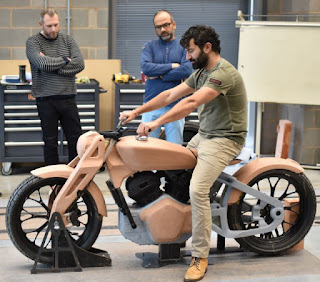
x,y
220,97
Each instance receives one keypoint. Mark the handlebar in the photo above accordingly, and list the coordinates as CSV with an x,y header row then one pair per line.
x,y
119,125
118,131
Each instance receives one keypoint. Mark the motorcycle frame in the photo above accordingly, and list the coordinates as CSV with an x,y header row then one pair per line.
x,y
80,172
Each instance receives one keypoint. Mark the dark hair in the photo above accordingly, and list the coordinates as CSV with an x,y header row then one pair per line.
x,y
201,35
163,11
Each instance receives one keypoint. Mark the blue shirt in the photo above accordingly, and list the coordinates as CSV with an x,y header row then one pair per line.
x,y
156,60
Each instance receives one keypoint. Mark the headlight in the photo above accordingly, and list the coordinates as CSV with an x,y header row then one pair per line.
x,y
85,141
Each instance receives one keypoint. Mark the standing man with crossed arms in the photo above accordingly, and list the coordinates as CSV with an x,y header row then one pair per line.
x,y
55,59
164,63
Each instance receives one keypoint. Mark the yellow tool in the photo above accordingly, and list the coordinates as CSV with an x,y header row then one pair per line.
x,y
121,78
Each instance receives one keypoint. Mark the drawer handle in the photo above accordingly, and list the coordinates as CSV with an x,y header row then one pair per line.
x,y
132,91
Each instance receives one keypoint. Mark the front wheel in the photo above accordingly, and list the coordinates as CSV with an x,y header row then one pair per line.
x,y
28,214
282,185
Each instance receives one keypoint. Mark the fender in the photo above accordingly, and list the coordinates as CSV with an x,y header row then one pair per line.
x,y
64,171
258,166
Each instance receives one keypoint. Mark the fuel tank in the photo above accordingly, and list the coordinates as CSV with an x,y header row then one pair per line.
x,y
154,154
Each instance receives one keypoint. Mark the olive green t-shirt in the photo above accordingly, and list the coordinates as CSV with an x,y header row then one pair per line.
x,y
226,115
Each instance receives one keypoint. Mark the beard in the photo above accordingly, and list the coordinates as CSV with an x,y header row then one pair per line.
x,y
201,62
51,35
166,36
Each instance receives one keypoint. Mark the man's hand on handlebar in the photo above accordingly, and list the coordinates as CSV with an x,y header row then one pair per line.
x,y
145,128
128,116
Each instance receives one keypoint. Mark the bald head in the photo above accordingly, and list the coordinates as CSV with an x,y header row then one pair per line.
x,y
164,25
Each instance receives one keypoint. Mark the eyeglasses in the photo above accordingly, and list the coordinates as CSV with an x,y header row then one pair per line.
x,y
165,25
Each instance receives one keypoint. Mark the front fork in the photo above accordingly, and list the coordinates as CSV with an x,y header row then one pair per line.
x,y
121,202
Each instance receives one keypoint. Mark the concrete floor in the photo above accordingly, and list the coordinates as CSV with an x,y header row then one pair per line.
x,y
302,265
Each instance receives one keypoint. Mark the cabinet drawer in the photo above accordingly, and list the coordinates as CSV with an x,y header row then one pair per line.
x,y
85,95
21,135
23,151
127,96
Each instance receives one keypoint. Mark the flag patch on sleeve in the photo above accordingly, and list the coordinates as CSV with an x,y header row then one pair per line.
x,y
216,81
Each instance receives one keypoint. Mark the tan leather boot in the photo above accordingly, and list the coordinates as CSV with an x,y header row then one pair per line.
x,y
196,270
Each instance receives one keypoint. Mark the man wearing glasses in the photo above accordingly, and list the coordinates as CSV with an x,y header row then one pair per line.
x,y
164,63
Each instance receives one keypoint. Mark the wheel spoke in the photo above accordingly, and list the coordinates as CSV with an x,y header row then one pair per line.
x,y
290,209
80,200
40,202
74,234
284,194
35,238
49,241
32,215
273,187
268,235
258,187
277,232
289,223
84,224
27,212
83,213
39,229
291,193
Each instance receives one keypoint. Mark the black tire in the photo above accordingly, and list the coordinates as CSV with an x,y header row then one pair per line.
x,y
283,185
190,130
28,213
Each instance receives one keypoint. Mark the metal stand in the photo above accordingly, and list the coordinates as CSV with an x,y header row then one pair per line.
x,y
221,243
66,255
168,253
171,253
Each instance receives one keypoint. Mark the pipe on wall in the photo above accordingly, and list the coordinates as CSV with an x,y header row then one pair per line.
x,y
68,17
68,13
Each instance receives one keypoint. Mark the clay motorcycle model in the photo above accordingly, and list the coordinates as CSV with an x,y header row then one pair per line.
x,y
268,205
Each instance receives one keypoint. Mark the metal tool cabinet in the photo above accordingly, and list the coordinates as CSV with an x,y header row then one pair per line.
x,y
20,131
129,96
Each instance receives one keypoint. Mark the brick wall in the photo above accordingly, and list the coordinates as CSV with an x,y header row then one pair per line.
x,y
305,138
89,25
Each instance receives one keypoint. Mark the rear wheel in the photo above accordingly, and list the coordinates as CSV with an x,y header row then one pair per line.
x,y
282,185
28,214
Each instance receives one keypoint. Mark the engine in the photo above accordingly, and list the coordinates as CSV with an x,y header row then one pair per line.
x,y
145,187
177,184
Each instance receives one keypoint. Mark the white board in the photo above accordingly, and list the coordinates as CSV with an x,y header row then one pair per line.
x,y
280,61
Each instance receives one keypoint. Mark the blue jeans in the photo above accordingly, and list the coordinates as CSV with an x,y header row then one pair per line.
x,y
173,130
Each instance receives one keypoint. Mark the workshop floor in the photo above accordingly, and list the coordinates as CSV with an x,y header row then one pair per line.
x,y
233,264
